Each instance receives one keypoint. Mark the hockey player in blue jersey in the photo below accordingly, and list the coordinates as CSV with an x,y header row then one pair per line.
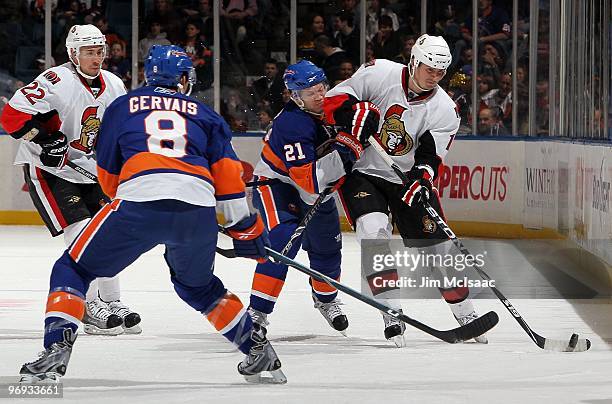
x,y
167,161
302,157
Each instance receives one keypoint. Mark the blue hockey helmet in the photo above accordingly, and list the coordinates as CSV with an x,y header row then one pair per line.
x,y
302,75
165,66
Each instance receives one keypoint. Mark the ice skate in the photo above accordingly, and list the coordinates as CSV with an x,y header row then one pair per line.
x,y
464,313
259,317
468,318
261,358
131,320
51,363
333,314
394,330
98,320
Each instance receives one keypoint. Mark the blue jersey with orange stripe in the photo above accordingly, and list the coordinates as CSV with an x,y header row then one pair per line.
x,y
158,144
297,151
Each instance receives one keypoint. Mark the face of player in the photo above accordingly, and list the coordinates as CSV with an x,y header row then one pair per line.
x,y
90,59
428,77
313,98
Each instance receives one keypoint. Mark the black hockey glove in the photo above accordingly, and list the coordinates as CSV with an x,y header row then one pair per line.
x,y
418,189
54,149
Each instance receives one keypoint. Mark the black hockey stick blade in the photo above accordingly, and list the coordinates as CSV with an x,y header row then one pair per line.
x,y
463,333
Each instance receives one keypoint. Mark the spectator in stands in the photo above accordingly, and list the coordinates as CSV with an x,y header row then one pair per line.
x,y
493,26
407,44
346,70
112,37
118,64
543,107
331,57
375,10
164,11
72,13
155,36
236,16
350,6
269,87
305,40
386,43
265,116
347,36
486,92
492,60
447,25
203,12
504,98
490,124
199,52
286,95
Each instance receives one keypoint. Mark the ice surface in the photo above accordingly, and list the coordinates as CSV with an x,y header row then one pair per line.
x,y
180,358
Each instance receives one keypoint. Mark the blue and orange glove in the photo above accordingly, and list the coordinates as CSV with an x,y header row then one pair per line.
x,y
418,189
250,238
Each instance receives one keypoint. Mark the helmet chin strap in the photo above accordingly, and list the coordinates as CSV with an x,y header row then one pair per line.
x,y
411,71
78,66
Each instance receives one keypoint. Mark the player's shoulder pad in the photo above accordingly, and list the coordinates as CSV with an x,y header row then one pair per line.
x,y
58,78
113,81
293,123
443,110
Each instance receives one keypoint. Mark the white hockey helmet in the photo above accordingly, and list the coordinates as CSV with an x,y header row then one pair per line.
x,y
84,35
432,51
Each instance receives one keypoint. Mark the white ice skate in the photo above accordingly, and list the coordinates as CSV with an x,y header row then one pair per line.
x,y
131,320
464,313
394,330
261,358
98,320
333,314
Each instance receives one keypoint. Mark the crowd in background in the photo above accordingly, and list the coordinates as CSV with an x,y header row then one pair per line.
x,y
255,42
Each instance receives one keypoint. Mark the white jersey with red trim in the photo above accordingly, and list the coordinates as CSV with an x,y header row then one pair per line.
x,y
418,130
66,103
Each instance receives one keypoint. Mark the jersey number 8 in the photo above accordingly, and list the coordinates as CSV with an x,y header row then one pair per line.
x,y
167,131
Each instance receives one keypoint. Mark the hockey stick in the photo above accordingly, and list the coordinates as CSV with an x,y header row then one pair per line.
x,y
310,214
459,334
573,345
81,170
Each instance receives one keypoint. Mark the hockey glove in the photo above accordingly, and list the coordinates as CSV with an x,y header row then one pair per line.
x,y
349,148
365,121
250,238
418,189
54,149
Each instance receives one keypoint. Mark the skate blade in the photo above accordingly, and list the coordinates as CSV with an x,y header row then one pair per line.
x,y
93,330
133,330
273,377
399,341
482,339
43,378
343,332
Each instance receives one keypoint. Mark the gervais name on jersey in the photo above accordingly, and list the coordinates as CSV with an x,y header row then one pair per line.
x,y
148,102
427,282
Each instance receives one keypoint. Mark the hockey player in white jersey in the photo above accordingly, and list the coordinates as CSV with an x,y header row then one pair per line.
x,y
57,118
415,121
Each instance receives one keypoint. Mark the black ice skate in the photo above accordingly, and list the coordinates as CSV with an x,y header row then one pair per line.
x,y
394,330
98,320
131,320
333,314
261,358
51,363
